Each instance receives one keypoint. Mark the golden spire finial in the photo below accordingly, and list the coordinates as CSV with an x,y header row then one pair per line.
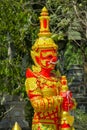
x,y
16,127
44,11
64,87
44,41
44,23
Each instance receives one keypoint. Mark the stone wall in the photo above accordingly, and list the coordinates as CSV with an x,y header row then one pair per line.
x,y
14,113
77,86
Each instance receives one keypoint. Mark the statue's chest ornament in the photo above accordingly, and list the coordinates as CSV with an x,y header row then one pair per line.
x,y
48,87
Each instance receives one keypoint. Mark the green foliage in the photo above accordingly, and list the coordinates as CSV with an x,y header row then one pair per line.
x,y
74,31
59,15
17,34
11,78
15,23
69,24
80,120
72,55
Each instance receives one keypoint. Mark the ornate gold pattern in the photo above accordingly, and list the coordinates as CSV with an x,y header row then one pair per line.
x,y
44,42
45,91
67,118
30,84
44,23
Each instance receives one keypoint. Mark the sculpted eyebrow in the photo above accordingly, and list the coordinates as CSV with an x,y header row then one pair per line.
x,y
48,53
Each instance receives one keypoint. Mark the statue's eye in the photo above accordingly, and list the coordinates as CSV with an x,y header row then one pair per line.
x,y
50,56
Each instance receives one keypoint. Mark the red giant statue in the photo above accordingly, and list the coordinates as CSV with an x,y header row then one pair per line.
x,y
48,93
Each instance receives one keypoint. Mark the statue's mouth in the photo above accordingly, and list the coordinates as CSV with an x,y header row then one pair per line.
x,y
53,62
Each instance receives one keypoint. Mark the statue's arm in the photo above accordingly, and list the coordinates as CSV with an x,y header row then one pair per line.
x,y
38,102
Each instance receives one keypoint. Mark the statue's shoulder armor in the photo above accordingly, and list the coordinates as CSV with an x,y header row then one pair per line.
x,y
31,81
29,73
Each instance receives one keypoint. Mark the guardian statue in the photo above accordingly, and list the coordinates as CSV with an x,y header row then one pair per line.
x,y
49,94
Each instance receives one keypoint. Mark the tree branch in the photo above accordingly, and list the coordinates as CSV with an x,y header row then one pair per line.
x,y
78,14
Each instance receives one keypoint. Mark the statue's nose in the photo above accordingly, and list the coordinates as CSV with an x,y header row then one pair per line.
x,y
54,59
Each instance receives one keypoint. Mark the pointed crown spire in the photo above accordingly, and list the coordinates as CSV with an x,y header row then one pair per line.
x,y
44,41
44,23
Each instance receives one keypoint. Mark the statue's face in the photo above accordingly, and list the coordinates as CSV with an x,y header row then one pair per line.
x,y
48,58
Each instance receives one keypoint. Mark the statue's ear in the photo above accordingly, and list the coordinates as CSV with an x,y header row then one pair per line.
x,y
35,56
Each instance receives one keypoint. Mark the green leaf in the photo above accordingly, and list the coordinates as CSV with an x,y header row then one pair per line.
x,y
74,35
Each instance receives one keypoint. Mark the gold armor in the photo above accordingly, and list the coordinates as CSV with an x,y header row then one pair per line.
x,y
44,96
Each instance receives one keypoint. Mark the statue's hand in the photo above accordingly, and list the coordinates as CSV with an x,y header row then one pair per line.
x,y
68,102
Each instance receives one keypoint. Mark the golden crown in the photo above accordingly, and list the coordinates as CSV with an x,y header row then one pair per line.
x,y
44,41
